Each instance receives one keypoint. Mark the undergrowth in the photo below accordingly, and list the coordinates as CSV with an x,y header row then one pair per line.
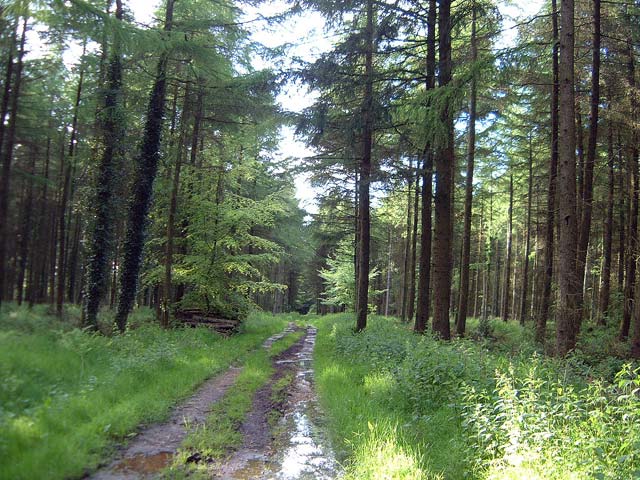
x,y
68,396
409,407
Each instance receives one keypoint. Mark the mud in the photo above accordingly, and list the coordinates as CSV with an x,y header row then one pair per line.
x,y
299,449
153,447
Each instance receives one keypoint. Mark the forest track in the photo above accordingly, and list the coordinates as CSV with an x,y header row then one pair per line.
x,y
295,445
154,447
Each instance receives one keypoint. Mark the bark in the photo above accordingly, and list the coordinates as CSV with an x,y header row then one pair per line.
x,y
424,282
25,233
580,167
101,236
443,200
407,250
477,294
543,314
630,274
507,267
387,297
635,338
64,198
173,208
463,299
527,241
365,178
568,282
587,192
7,141
621,217
146,169
414,246
605,281
496,304
73,260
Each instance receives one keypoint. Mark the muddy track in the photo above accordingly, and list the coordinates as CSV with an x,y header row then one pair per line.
x,y
153,447
296,446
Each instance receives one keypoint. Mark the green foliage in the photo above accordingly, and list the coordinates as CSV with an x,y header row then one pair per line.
x,y
339,278
534,424
493,409
373,421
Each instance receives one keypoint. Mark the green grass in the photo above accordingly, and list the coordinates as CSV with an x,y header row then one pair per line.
x,y
377,434
67,396
402,406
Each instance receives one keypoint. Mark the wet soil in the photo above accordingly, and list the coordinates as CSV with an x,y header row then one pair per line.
x,y
154,447
296,447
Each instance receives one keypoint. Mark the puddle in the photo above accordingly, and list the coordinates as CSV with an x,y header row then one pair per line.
x,y
145,464
302,451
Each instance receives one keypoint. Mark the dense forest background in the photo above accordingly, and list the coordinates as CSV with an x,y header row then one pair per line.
x,y
458,176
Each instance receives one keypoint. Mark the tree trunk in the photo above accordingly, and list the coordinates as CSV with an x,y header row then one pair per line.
x,y
635,339
407,250
587,192
543,314
64,198
496,304
424,281
101,236
463,299
568,282
146,169
365,178
605,281
8,144
173,208
527,241
25,234
414,246
621,217
478,262
630,275
443,200
507,267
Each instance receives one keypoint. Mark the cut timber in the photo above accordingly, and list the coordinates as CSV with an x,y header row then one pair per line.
x,y
195,318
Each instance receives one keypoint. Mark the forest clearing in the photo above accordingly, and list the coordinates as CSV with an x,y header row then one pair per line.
x,y
315,240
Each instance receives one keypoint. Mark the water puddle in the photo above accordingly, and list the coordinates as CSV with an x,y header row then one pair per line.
x,y
302,451
145,464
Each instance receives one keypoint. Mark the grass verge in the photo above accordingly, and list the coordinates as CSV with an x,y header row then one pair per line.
x,y
67,396
378,435
402,406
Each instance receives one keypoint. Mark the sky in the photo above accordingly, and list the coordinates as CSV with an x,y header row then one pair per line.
x,y
311,41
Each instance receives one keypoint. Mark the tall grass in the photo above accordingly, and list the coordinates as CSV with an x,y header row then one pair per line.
x,y
402,406
67,396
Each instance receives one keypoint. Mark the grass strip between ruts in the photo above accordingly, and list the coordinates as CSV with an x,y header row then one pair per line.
x,y
220,433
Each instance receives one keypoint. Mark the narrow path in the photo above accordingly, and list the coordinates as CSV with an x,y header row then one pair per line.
x,y
300,449
154,447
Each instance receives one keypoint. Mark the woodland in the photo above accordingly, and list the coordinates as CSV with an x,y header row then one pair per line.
x,y
471,262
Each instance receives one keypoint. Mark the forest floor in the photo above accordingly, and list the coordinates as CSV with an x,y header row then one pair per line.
x,y
185,403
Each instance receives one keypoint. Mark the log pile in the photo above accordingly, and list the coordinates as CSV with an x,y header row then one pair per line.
x,y
200,318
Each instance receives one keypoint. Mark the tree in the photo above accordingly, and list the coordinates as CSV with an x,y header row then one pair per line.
x,y
567,320
444,161
101,237
146,168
